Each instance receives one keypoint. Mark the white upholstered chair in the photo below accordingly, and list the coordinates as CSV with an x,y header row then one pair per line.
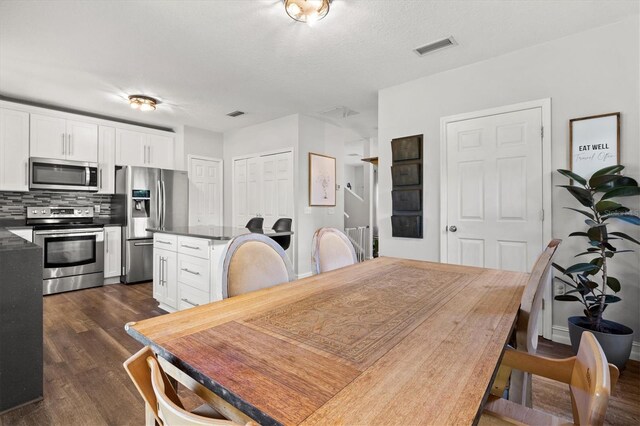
x,y
331,249
590,378
253,262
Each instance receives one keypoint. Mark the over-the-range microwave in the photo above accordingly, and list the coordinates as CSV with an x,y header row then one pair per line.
x,y
62,175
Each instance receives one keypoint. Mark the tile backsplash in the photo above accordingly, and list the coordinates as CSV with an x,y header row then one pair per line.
x,y
13,204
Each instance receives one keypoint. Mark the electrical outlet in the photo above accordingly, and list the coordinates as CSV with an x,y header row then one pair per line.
x,y
558,289
96,208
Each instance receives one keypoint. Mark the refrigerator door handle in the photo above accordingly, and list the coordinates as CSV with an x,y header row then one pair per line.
x,y
164,204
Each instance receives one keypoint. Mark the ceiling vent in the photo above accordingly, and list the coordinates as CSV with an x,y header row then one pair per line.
x,y
235,114
436,45
339,113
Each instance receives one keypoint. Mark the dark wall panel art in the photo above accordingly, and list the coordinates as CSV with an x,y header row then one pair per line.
x,y
406,195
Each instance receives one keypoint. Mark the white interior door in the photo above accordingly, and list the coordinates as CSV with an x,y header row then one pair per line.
x,y
254,188
239,196
205,191
494,190
277,193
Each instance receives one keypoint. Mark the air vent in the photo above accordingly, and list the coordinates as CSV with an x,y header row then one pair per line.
x,y
339,113
436,45
235,113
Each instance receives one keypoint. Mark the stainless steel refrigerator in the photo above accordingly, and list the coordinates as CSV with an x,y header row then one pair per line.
x,y
147,198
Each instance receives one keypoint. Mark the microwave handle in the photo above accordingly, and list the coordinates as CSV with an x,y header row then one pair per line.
x,y
87,175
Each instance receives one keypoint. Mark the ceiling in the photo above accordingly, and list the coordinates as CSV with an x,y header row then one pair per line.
x,y
203,59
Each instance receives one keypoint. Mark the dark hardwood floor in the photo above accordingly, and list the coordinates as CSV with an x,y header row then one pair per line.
x,y
85,384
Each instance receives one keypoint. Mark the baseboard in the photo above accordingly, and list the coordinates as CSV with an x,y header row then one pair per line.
x,y
112,280
305,275
560,334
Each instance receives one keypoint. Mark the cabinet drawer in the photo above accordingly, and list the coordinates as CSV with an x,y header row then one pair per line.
x,y
190,297
198,247
165,241
193,271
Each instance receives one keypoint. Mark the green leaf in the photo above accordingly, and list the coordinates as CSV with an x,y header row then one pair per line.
x,y
565,282
567,298
587,214
633,219
623,191
580,194
603,206
583,253
609,170
579,234
581,267
613,284
609,298
597,181
571,175
625,236
623,181
591,222
597,233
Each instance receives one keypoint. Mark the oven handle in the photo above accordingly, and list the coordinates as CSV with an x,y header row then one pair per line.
x,y
75,234
70,232
142,244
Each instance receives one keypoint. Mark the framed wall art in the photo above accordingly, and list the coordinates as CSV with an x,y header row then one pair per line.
x,y
322,180
594,143
406,193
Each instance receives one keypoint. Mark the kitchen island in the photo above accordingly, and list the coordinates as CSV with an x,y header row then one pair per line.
x,y
187,263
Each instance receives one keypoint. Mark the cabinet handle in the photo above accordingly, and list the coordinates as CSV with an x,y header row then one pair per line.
x,y
70,145
161,278
190,247
100,178
189,302
63,144
163,242
106,241
190,271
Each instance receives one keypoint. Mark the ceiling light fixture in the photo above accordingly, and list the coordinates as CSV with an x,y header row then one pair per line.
x,y
143,103
308,11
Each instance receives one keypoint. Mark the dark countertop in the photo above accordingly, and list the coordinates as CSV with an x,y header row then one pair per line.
x,y
222,233
12,223
10,242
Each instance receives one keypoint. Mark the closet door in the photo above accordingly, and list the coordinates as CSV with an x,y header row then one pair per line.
x,y
254,188
239,196
277,191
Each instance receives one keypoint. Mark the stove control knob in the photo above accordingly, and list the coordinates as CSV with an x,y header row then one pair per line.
x,y
43,211
86,211
34,211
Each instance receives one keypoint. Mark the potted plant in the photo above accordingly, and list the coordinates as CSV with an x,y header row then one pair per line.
x,y
591,282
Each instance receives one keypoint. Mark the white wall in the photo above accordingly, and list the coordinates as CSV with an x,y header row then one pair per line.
x,y
202,142
593,72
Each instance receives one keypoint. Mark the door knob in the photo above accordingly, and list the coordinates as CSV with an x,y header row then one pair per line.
x,y
453,229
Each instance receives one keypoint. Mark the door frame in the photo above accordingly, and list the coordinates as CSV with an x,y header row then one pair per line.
x,y
545,106
191,157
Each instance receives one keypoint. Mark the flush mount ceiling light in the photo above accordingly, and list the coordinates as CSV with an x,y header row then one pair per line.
x,y
308,11
143,103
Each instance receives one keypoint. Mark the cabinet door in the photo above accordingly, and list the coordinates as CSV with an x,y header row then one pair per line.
x,y
159,292
131,148
160,152
48,137
171,279
14,150
106,160
112,251
82,144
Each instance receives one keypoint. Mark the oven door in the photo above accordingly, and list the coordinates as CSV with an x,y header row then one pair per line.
x,y
63,175
68,252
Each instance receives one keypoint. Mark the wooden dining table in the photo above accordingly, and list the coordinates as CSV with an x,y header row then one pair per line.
x,y
383,342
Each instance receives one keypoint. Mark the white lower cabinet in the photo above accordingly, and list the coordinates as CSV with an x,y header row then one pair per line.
x,y
112,251
190,275
165,284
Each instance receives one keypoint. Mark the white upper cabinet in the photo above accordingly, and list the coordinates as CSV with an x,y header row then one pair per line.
x,y
83,141
48,136
106,160
14,150
53,137
144,149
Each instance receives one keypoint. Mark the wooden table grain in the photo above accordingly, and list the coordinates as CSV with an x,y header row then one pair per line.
x,y
388,341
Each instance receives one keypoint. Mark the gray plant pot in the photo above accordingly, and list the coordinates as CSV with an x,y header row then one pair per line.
x,y
616,344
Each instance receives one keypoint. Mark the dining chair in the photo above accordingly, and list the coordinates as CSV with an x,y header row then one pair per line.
x,y
525,338
253,262
140,372
282,224
255,223
331,249
590,378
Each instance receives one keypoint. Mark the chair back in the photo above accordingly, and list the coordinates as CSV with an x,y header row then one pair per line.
x,y
169,412
282,224
253,262
331,250
255,223
590,382
140,374
531,302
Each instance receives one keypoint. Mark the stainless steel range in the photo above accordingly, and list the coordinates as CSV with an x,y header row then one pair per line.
x,y
72,247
